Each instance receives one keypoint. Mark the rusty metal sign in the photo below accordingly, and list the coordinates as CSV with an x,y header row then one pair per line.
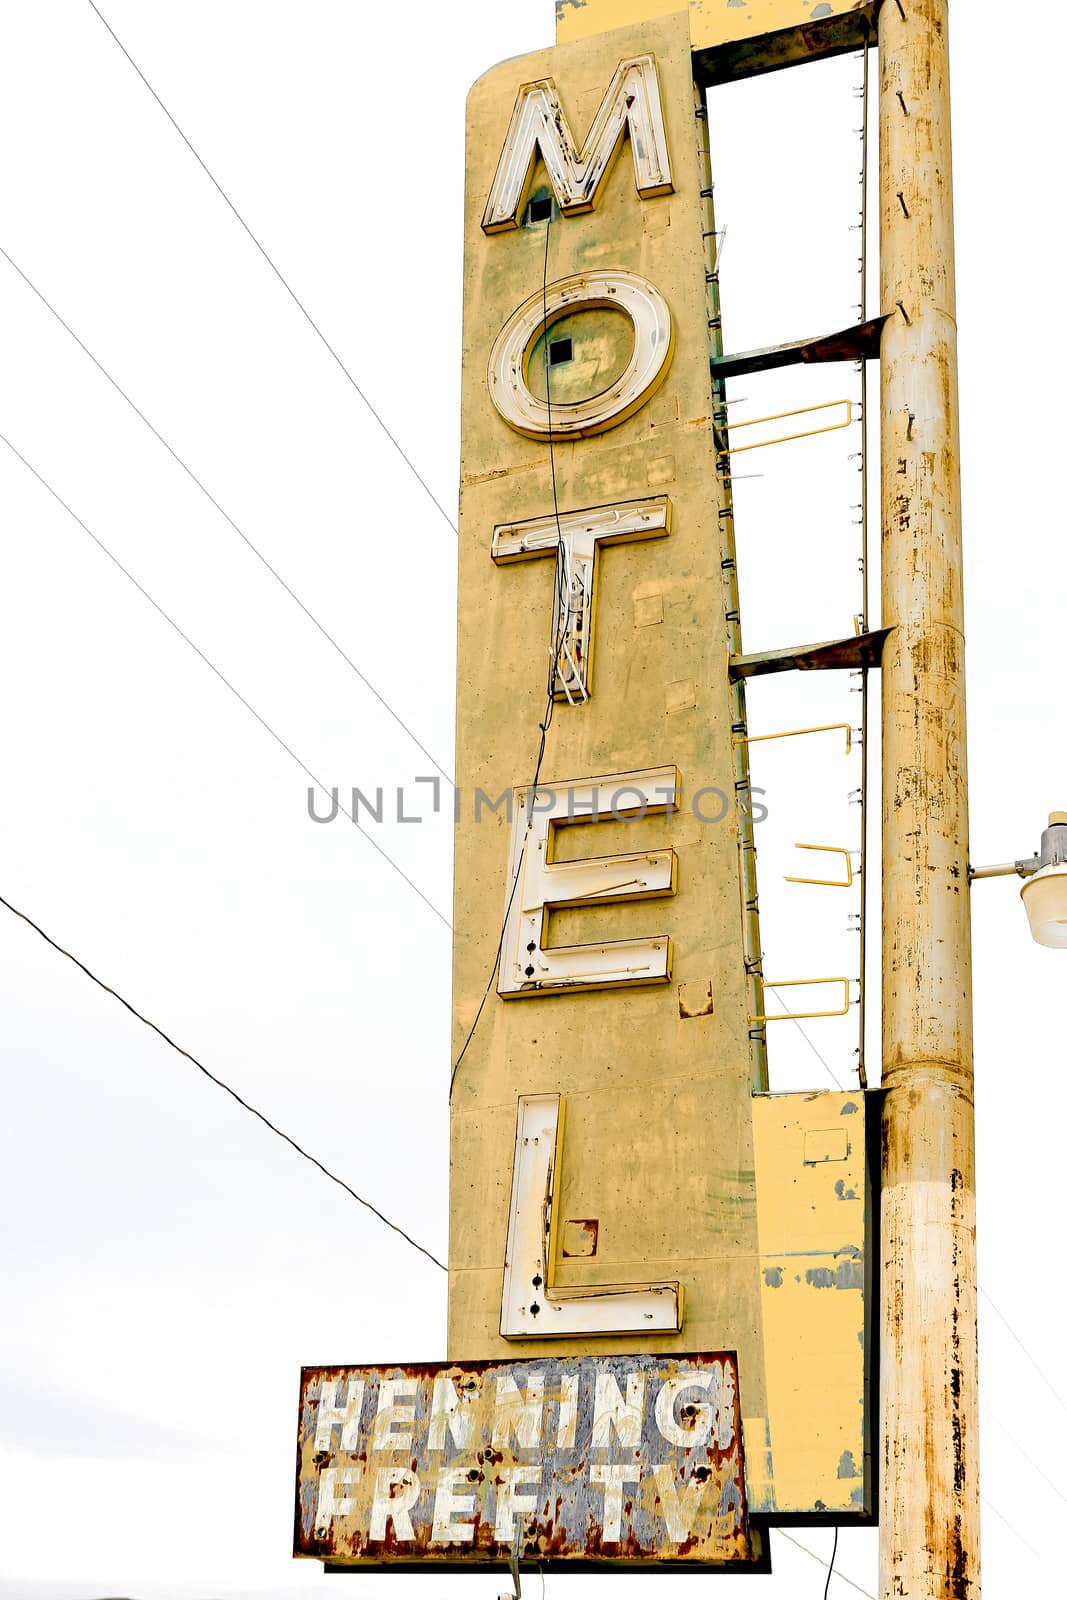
x,y
610,1460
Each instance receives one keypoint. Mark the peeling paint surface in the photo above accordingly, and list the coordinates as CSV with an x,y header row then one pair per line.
x,y
713,22
724,1197
595,1459
817,1272
646,1070
930,1492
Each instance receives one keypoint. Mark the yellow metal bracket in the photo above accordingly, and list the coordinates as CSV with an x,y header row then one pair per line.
x,y
802,1016
780,416
828,883
794,733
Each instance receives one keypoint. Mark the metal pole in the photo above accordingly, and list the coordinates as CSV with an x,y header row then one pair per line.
x,y
929,1363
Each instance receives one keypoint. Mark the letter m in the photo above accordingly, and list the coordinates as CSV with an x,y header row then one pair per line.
x,y
631,105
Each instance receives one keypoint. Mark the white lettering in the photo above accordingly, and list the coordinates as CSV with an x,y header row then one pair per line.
x,y
345,1417
612,1413
528,964
632,103
679,1510
574,540
614,1480
568,1413
518,1412
650,358
396,1490
698,1419
396,1412
447,1504
531,1255
452,1412
330,1503
511,1504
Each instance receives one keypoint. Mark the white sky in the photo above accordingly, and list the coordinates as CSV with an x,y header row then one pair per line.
x,y
168,1265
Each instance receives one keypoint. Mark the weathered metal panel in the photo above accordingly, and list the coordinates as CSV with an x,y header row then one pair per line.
x,y
615,1460
733,37
832,655
858,343
816,1267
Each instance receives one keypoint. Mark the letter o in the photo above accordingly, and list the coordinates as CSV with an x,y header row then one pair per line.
x,y
644,372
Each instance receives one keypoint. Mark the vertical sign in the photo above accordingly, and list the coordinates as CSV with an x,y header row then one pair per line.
x,y
608,1107
602,1144
635,1222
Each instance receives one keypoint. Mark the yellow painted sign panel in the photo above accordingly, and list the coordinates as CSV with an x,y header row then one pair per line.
x,y
619,1180
712,22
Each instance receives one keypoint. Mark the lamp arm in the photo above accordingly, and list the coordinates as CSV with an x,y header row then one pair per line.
x,y
1006,869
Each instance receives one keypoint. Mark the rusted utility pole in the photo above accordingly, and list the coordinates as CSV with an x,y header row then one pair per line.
x,y
929,1361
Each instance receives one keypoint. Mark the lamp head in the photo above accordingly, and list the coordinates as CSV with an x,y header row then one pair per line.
x,y
1044,892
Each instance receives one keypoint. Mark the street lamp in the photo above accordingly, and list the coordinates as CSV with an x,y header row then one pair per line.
x,y
1044,893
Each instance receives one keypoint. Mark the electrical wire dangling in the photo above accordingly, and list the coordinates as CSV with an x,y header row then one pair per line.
x,y
564,614
830,1568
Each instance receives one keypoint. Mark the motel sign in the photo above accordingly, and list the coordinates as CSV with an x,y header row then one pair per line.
x,y
660,1275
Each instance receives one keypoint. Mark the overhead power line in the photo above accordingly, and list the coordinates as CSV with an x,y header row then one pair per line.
x,y
223,679
187,469
809,1041
830,1573
1053,1392
394,1227
225,1087
987,1415
1013,1529
286,285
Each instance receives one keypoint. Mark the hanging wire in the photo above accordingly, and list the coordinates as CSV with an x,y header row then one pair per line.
x,y
563,611
782,1533
830,1568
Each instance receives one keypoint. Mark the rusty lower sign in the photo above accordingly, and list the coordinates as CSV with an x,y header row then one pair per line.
x,y
614,1460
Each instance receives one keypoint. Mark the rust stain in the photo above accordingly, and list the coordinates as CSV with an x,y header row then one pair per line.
x,y
695,1000
580,1236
